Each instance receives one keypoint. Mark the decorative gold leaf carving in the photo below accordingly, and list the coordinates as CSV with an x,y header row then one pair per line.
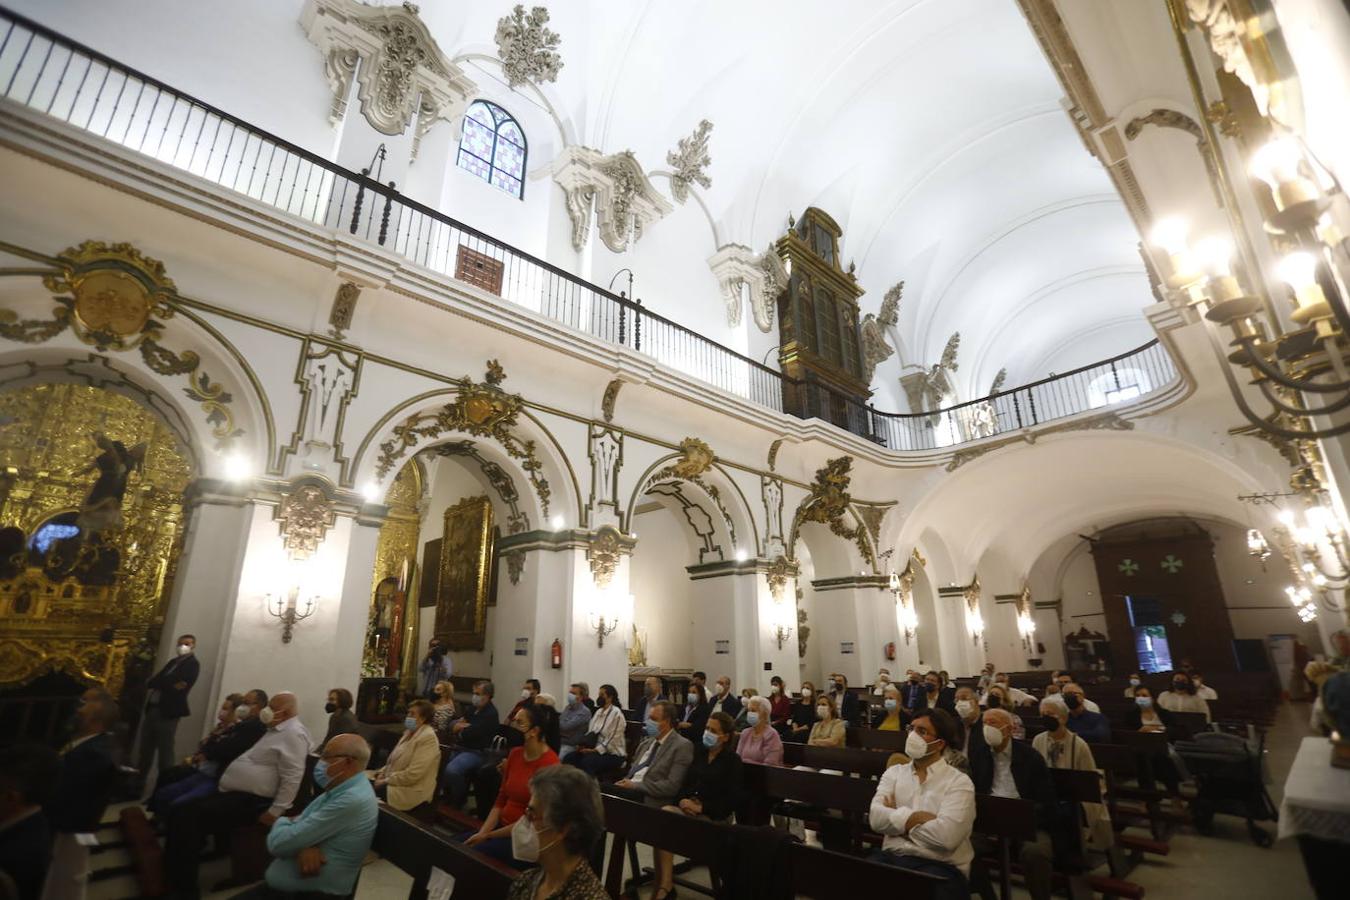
x,y
304,516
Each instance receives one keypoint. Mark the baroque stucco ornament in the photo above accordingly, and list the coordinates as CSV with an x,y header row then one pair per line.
x,y
623,199
607,547
305,514
399,69
696,457
781,571
739,270
528,48
829,503
690,161
876,349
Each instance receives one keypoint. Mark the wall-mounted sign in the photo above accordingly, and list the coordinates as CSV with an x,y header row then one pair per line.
x,y
723,648
522,646
846,648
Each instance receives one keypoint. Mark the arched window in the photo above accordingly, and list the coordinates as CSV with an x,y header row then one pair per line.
x,y
493,147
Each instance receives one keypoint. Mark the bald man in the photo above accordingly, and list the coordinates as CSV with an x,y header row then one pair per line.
x,y
319,852
1004,767
260,785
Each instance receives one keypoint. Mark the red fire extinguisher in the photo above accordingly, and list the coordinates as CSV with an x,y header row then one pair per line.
x,y
555,655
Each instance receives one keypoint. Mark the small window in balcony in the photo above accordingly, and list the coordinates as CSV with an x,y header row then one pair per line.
x,y
1119,386
493,147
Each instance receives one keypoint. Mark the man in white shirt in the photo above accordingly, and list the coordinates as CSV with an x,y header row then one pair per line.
x,y
258,786
925,809
1182,697
1202,690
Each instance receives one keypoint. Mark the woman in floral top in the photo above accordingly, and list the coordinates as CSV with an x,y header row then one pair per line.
x,y
561,824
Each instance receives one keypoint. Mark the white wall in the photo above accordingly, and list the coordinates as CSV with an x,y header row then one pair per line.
x,y
664,597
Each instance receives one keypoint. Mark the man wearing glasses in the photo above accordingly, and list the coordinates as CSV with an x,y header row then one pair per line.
x,y
318,853
925,808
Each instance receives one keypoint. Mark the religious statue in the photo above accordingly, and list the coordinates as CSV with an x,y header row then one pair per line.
x,y
102,508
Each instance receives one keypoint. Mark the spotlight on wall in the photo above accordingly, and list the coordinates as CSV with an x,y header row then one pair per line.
x,y
371,492
237,467
557,522
742,554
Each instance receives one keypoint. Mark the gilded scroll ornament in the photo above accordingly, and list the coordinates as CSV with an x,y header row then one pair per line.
x,y
829,503
304,516
696,457
344,309
781,571
482,409
607,547
611,397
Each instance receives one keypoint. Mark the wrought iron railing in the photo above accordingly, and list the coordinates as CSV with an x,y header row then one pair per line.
x,y
75,84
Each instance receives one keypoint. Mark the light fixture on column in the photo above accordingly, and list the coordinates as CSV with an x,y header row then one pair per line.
x,y
286,611
605,619
1026,625
902,586
782,633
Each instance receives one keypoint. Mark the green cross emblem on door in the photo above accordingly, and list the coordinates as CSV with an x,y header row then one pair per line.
x,y
1128,566
1172,564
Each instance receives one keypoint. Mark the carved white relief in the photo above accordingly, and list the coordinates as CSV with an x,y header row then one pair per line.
x,y
771,490
527,47
328,380
690,161
400,72
606,455
738,269
876,349
615,188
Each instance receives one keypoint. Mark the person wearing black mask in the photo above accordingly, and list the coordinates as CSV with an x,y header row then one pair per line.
x,y
1090,726
341,719
914,694
936,696
1182,698
845,702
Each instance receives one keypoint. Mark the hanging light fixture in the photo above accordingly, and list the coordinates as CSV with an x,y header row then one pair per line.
x,y
1257,546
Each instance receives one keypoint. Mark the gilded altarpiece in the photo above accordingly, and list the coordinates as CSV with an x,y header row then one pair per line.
x,y
465,576
69,603
391,633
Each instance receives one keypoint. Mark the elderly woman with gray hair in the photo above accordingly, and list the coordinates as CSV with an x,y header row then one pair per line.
x,y
561,825
759,743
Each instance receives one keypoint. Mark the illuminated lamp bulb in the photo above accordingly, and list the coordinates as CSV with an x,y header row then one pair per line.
x,y
556,522
1276,163
741,554
1299,271
1215,256
237,467
371,492
1287,519
1170,235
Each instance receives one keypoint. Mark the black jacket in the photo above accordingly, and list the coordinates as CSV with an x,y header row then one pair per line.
x,y
1029,772
640,711
698,720
173,702
946,700
731,706
913,697
849,708
88,775
716,784
483,725
226,748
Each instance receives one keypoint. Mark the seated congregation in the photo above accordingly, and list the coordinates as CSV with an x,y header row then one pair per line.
x,y
922,786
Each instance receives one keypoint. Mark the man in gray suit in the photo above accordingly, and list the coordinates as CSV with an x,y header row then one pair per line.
x,y
661,762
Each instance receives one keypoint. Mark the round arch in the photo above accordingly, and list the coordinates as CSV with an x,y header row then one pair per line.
x,y
731,521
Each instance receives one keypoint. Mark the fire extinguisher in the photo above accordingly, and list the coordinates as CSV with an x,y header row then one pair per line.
x,y
555,654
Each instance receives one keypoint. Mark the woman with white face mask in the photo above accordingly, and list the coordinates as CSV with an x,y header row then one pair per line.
x,y
803,715
561,824
496,837
829,730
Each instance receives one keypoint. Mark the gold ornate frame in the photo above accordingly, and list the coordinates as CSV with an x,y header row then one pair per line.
x,y
465,574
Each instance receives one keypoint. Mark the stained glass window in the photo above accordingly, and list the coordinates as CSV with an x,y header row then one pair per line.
x,y
493,147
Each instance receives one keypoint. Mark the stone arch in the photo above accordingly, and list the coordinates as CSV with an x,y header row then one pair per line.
x,y
518,442
730,526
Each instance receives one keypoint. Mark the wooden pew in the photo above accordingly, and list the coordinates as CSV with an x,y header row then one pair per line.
x,y
1121,764
823,874
867,763
1006,821
634,823
415,847
850,798
873,739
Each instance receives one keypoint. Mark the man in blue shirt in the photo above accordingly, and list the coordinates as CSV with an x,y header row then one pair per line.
x,y
1092,727
318,853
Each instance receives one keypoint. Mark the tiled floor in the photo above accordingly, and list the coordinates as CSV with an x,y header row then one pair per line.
x,y
1226,865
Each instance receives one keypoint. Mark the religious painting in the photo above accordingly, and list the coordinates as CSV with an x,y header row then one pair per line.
x,y
466,558
430,593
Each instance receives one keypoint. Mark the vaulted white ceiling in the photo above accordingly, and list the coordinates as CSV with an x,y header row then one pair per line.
x,y
932,130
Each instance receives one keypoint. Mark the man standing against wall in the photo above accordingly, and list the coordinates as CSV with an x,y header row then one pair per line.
x,y
166,704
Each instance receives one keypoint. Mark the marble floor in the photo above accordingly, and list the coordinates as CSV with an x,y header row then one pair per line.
x,y
1226,864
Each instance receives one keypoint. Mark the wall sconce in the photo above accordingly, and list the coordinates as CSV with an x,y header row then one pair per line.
x,y
604,625
1026,625
902,586
782,633
1257,546
974,620
285,610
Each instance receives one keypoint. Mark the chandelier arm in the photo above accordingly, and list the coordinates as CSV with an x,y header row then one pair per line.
x,y
1274,373
1250,415
1308,411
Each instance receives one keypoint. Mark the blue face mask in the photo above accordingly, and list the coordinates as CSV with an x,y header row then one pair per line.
x,y
321,773
650,728
891,703
709,740
752,718
410,723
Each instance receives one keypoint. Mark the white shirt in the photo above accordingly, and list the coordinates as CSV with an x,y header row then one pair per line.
x,y
273,767
945,792
641,767
1205,692
609,724
1173,701
1090,706
1004,784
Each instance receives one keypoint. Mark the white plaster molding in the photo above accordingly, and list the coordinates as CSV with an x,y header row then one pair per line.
x,y
400,71
763,274
624,201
